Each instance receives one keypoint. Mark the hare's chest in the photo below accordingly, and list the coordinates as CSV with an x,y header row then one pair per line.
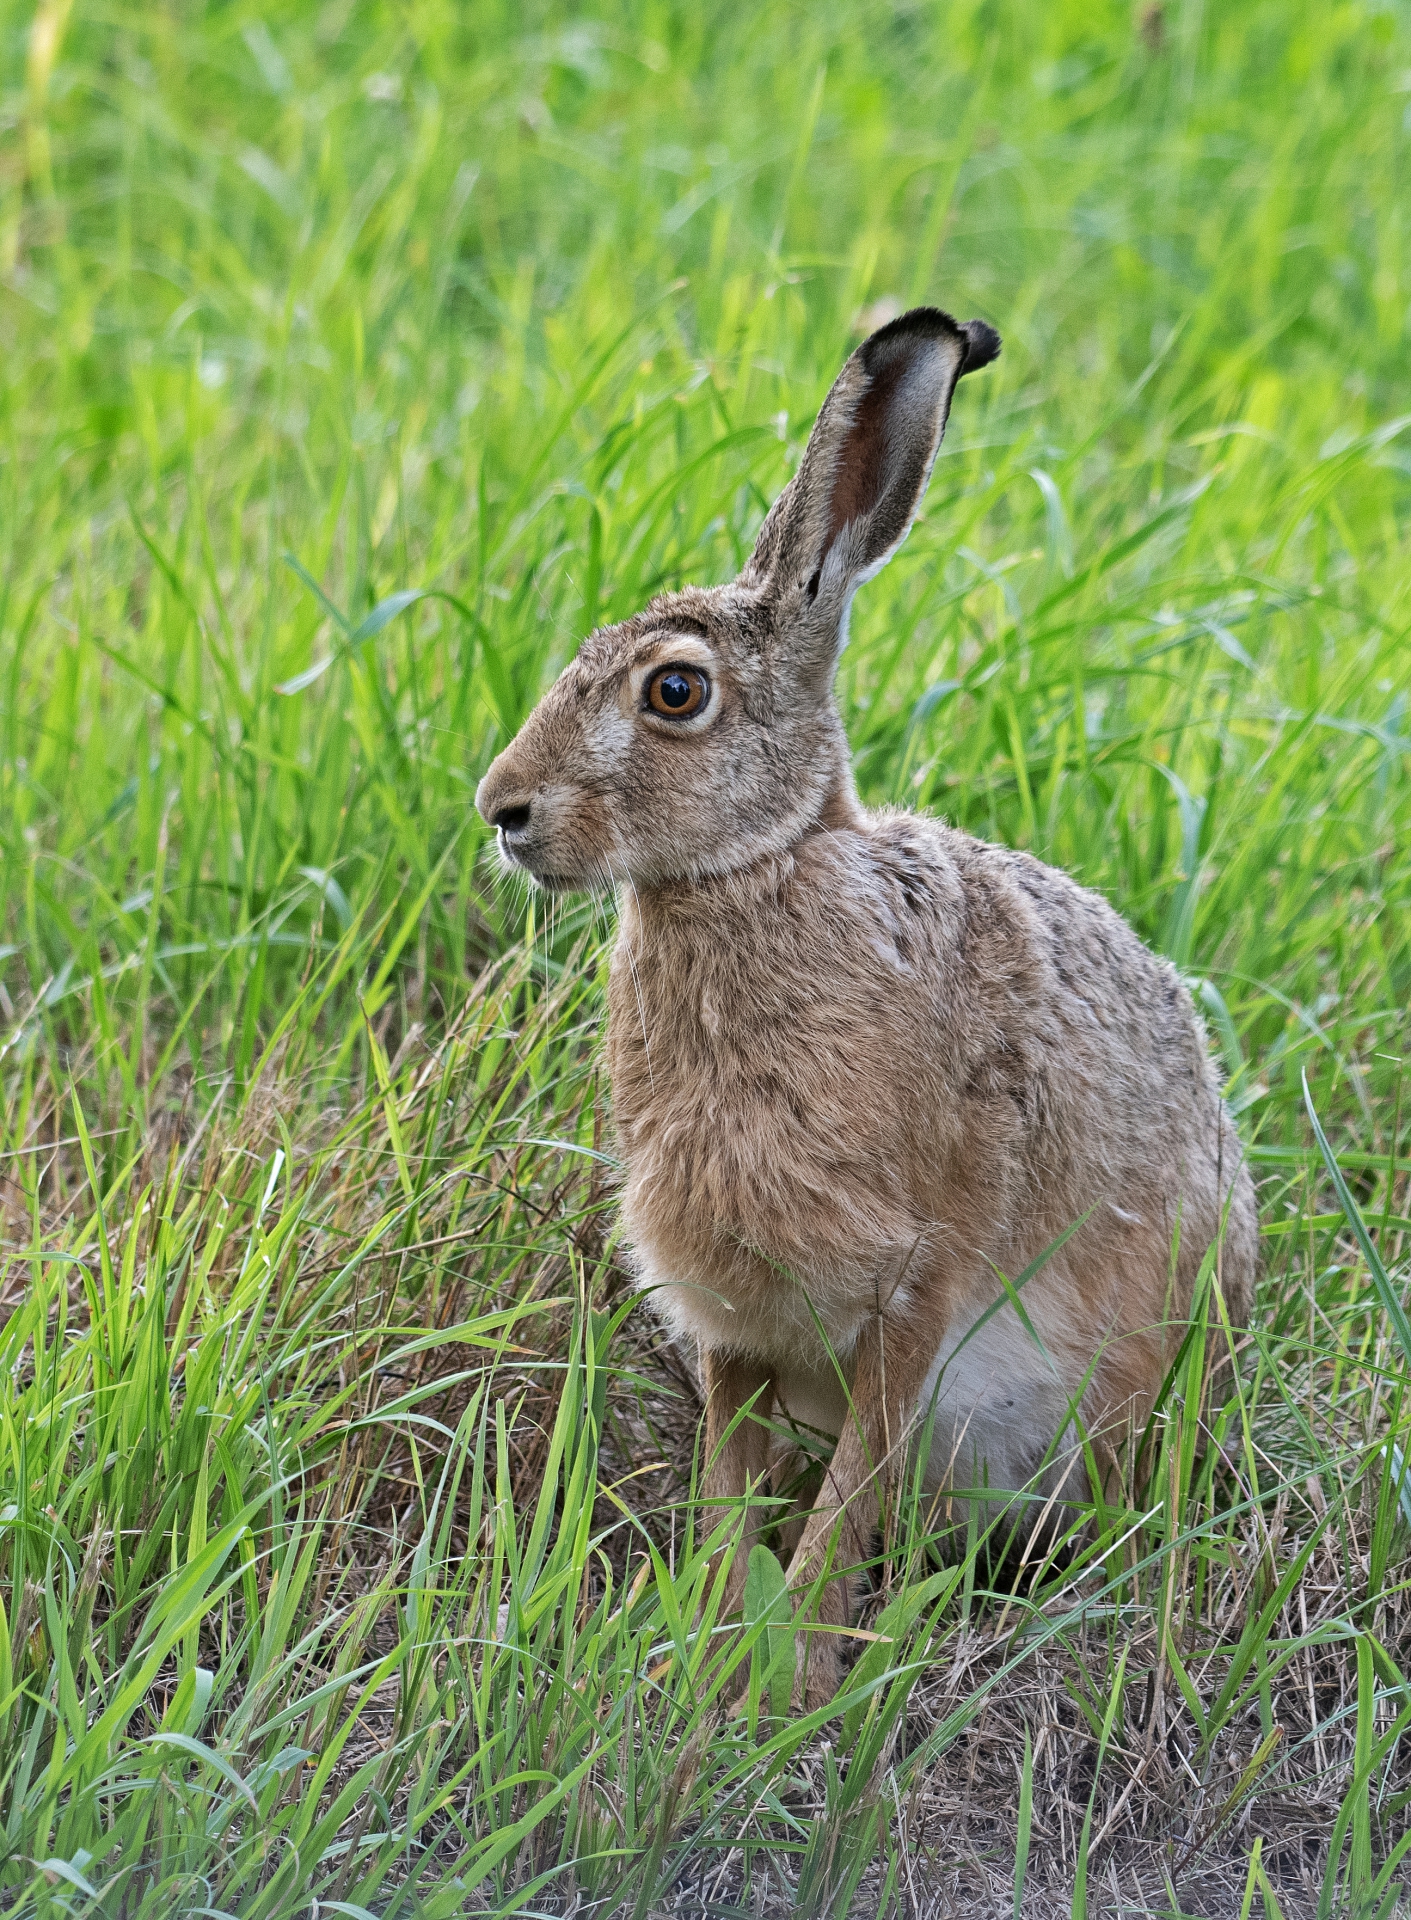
x,y
764,1193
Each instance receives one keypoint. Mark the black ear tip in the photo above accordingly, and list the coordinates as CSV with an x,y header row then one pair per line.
x,y
982,344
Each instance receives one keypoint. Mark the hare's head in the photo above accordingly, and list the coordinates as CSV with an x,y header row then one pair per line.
x,y
701,734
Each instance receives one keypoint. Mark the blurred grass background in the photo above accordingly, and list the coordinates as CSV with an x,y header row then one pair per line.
x,y
357,359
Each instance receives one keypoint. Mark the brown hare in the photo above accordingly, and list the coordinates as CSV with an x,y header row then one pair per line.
x,y
860,1060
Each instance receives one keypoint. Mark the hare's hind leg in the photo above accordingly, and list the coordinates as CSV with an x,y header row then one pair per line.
x,y
739,1394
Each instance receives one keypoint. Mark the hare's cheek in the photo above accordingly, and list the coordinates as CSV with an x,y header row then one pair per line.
x,y
607,743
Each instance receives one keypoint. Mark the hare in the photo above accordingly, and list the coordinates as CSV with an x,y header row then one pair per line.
x,y
861,1061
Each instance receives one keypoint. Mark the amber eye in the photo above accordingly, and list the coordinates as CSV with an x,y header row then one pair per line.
x,y
678,692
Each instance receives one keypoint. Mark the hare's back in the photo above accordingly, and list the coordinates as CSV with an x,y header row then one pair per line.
x,y
1093,1038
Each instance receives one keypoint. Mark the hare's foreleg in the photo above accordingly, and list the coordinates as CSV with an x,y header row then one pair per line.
x,y
739,1399
888,1375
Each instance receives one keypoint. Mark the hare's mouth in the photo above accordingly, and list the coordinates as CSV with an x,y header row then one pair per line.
x,y
516,859
521,860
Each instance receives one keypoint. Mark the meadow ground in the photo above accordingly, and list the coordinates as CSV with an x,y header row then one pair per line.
x,y
355,359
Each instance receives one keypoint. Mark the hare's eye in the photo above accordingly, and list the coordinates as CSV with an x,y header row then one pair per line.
x,y
678,692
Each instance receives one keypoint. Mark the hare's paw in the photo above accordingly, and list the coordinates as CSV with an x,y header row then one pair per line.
x,y
820,1670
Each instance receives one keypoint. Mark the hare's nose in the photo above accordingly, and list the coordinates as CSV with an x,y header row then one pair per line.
x,y
504,797
511,819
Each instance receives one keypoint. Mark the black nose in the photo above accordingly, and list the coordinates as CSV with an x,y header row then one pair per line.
x,y
513,819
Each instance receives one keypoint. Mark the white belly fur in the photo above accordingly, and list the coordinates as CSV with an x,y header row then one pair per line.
x,y
998,1407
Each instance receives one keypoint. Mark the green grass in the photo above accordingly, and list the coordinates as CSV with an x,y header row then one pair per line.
x,y
346,1547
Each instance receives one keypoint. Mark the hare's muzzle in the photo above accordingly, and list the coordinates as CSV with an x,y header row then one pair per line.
x,y
523,816
503,804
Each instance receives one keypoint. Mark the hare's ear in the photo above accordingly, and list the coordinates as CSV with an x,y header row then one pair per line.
x,y
848,508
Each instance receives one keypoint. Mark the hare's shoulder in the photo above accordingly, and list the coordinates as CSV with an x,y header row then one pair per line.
x,y
1074,933
1020,948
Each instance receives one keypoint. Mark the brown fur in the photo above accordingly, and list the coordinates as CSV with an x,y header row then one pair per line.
x,y
860,1060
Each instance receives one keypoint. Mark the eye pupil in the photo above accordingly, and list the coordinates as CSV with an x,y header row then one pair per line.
x,y
678,692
